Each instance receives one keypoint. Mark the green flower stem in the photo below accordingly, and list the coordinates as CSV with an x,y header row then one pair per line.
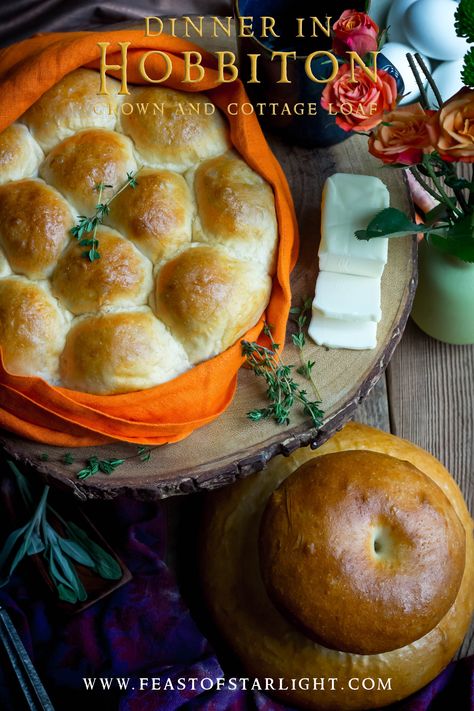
x,y
419,178
459,192
449,202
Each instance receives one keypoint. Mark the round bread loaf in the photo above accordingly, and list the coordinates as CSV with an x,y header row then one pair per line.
x,y
235,210
120,352
362,531
354,562
35,222
32,328
121,277
72,105
173,130
80,163
157,215
206,297
99,227
20,155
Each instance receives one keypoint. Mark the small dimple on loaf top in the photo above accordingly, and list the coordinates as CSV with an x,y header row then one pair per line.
x,y
35,222
77,165
122,276
72,105
156,215
120,352
20,155
362,550
171,133
32,328
236,209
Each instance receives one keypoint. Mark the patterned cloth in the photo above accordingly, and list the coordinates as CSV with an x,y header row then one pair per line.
x,y
145,629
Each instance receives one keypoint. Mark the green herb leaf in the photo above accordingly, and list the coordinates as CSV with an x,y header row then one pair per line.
x,y
390,223
76,552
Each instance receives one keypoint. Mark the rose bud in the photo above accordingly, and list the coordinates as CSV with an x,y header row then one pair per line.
x,y
356,32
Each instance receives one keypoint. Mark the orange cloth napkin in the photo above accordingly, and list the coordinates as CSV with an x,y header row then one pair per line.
x,y
32,408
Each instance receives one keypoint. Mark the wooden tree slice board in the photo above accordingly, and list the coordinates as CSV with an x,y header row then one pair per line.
x,y
233,446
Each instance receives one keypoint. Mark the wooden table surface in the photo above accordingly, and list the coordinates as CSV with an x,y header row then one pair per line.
x,y
426,396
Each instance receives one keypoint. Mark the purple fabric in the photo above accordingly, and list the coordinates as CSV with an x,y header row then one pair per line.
x,y
145,629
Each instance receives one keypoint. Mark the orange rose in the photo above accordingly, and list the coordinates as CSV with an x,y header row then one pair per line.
x,y
355,31
452,128
403,136
359,105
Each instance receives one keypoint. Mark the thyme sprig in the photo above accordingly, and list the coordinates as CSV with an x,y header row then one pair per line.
x,y
60,552
300,316
94,465
283,392
85,231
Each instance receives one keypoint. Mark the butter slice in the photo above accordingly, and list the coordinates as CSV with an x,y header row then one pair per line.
x,y
337,333
349,203
348,297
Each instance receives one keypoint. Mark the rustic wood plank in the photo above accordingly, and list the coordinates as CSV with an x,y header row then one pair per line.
x,y
430,387
374,410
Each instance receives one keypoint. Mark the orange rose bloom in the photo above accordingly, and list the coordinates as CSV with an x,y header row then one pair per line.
x,y
359,105
403,136
452,128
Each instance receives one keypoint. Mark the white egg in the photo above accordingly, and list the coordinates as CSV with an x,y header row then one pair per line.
x,y
396,31
447,77
396,53
429,26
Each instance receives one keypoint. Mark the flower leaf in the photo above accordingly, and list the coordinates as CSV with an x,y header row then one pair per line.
x,y
390,223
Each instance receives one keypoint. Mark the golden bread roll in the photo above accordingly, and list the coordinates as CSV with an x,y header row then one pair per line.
x,y
120,352
335,546
209,299
77,165
360,531
32,328
156,215
121,277
171,129
144,227
35,222
236,209
72,105
20,155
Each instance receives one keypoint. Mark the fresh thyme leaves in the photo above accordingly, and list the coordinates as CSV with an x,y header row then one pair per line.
x,y
85,231
96,465
300,316
68,458
60,552
282,390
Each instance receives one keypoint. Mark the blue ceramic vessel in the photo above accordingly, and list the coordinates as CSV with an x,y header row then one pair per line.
x,y
303,129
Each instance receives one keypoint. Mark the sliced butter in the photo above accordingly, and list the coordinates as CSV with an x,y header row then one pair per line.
x,y
348,297
349,203
336,333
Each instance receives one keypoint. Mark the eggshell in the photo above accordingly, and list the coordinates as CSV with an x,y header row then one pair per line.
x,y
429,26
396,31
396,53
447,77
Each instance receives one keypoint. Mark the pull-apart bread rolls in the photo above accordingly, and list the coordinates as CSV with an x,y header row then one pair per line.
x,y
172,130
182,257
354,562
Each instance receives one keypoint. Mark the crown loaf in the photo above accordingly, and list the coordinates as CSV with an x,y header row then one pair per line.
x,y
186,257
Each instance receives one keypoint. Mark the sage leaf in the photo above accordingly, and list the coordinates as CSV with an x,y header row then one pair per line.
x,y
35,545
76,552
66,594
390,223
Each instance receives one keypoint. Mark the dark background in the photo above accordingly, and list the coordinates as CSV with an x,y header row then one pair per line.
x,y
24,18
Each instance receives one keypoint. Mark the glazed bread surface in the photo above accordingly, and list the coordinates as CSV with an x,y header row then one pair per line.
x,y
159,295
270,642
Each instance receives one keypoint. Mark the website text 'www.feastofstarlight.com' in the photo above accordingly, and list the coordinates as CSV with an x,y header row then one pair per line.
x,y
236,684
